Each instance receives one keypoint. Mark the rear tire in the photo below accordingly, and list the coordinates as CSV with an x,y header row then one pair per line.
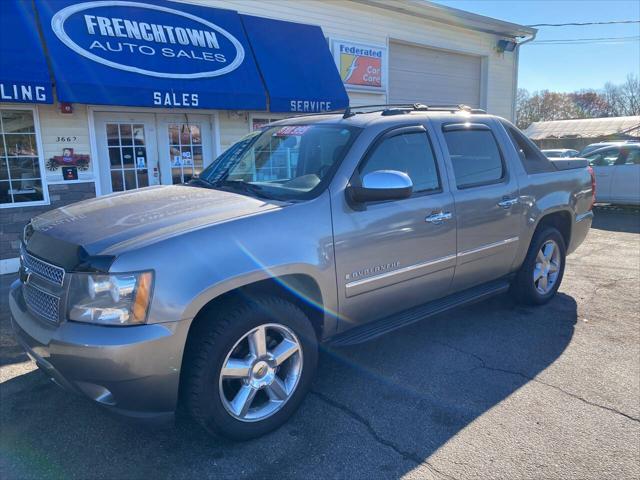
x,y
249,366
541,273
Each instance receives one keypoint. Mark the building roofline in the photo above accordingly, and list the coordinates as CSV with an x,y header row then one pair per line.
x,y
452,16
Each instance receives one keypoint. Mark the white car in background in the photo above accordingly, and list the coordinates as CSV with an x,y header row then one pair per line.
x,y
560,153
617,170
592,147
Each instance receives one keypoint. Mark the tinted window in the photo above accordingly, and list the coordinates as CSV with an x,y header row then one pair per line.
x,y
410,153
633,157
533,160
475,157
603,158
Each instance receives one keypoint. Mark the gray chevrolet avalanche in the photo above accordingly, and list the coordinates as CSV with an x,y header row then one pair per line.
x,y
332,228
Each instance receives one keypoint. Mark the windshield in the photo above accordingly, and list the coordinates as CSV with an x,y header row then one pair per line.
x,y
282,162
552,153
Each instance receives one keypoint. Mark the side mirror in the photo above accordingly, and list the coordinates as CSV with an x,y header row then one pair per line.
x,y
381,185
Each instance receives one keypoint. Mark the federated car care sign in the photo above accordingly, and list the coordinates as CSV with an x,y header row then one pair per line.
x,y
179,54
361,66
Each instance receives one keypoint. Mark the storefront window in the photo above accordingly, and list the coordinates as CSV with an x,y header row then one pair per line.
x,y
127,156
185,151
20,176
257,123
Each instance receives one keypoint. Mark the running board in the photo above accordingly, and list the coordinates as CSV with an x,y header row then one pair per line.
x,y
380,327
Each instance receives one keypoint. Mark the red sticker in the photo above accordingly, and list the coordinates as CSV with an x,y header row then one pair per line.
x,y
291,130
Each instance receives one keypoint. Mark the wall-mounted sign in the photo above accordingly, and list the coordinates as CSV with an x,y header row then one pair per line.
x,y
149,53
70,173
148,39
362,67
68,159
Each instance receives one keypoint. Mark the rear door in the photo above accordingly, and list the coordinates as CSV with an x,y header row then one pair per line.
x,y
486,202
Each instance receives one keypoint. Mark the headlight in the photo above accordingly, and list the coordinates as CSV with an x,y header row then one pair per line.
x,y
117,299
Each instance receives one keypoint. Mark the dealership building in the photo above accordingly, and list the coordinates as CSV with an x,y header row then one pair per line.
x,y
105,96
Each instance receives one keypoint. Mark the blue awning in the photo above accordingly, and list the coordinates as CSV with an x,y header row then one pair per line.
x,y
150,54
24,76
296,65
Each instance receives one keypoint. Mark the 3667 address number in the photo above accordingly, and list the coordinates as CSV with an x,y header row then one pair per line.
x,y
66,139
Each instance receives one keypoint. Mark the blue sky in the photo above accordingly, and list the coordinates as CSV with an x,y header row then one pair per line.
x,y
566,68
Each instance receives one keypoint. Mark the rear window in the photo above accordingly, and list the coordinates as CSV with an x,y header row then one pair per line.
x,y
533,160
475,157
604,157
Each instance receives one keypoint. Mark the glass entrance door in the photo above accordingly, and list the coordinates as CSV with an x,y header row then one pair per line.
x,y
185,146
128,151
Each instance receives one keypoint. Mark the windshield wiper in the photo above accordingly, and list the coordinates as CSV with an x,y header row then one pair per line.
x,y
243,186
195,180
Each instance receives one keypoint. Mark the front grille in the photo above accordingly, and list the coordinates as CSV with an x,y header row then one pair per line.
x,y
43,269
42,303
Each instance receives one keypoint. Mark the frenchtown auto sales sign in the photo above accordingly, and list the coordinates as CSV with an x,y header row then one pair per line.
x,y
148,39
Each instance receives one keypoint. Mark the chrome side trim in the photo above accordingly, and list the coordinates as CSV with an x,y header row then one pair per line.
x,y
356,287
584,216
400,271
488,246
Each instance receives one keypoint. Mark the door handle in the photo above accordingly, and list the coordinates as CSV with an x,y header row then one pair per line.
x,y
438,218
507,202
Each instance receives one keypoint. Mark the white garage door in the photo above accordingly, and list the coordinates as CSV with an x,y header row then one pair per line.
x,y
425,75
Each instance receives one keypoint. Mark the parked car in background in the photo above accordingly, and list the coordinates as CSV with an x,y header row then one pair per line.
x,y
332,228
595,146
617,170
560,153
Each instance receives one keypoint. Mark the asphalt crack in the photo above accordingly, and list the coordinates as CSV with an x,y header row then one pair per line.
x,y
377,437
483,365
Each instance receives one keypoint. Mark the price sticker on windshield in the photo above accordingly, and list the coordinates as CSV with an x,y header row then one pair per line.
x,y
291,130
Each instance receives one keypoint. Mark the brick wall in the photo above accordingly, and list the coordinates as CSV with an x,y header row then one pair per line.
x,y
14,219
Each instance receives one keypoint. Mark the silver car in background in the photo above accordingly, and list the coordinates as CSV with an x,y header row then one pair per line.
x,y
560,153
332,228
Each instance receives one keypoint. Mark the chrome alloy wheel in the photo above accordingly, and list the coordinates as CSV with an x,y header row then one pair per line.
x,y
545,273
261,372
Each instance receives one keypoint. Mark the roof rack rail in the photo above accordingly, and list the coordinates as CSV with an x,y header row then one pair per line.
x,y
393,108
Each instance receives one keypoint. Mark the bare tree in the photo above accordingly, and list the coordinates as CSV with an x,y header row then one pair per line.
x,y
630,95
590,104
612,101
613,97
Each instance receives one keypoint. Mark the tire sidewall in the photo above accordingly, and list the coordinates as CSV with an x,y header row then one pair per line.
x,y
531,293
213,413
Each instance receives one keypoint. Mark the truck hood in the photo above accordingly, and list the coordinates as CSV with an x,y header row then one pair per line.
x,y
115,223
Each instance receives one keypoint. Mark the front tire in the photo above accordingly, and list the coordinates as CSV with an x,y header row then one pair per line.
x,y
248,366
541,273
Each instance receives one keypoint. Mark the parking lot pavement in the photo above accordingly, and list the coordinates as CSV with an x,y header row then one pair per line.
x,y
494,390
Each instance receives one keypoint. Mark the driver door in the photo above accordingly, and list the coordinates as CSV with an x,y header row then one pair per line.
x,y
391,255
